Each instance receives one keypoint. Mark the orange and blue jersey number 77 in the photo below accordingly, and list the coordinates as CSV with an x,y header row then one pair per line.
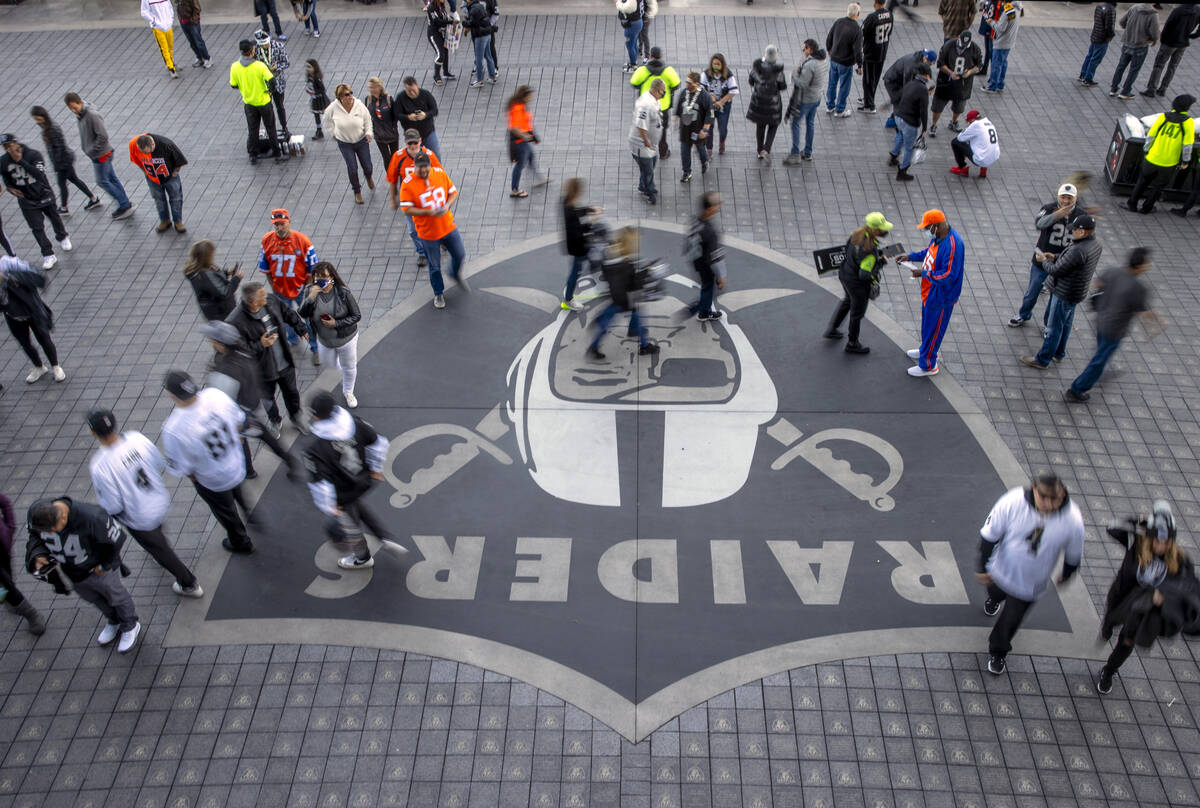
x,y
281,260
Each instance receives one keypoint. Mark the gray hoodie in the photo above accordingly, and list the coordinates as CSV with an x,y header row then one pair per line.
x,y
1141,26
808,83
93,137
1006,28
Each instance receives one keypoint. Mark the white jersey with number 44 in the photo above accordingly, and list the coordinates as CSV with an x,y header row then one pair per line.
x,y
204,441
128,480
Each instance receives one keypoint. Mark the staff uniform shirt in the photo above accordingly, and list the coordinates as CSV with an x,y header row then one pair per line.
x,y
250,77
1029,543
401,167
981,136
128,480
203,441
941,269
1171,137
287,262
427,194
160,164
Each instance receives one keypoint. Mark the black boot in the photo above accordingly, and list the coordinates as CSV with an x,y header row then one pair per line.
x,y
857,347
37,624
903,176
893,159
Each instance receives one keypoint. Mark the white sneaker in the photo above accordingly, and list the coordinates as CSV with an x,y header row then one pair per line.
x,y
108,633
36,374
439,302
351,562
915,353
915,370
59,373
207,64
846,113
571,305
193,592
128,639
49,261
351,401
66,244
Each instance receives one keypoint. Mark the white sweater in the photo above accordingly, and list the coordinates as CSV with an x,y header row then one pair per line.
x,y
159,13
348,127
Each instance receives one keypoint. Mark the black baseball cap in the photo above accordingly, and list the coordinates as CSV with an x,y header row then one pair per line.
x,y
322,404
179,384
101,421
412,136
8,137
1084,222
422,159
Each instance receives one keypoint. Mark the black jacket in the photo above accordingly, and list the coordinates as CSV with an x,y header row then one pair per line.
x,y
630,17
1104,23
621,275
90,539
768,81
1071,272
478,17
913,107
29,177
383,119
19,297
852,271
216,292
437,20
876,33
703,113
346,315
844,42
242,369
1180,28
61,156
403,106
578,230
1131,604
325,462
252,330
901,72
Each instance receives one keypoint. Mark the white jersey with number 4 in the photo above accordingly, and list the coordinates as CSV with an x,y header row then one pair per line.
x,y
985,145
128,480
203,441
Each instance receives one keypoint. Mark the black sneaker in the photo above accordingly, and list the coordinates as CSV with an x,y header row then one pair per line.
x,y
1016,322
686,177
1148,92
991,607
833,333
648,349
995,665
1104,681
243,549
1180,212
595,354
857,347
893,160
93,204
421,262
125,212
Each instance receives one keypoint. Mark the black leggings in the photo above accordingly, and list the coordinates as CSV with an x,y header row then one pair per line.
x,y
764,135
4,242
280,112
15,598
68,175
21,329
442,59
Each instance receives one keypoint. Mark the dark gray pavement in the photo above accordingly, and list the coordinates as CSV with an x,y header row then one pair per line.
x,y
310,723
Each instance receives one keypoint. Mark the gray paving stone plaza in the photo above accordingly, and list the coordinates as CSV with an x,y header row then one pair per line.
x,y
179,724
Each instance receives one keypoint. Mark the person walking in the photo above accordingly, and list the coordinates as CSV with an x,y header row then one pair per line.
x,y
1181,27
274,55
978,143
264,9
899,75
201,441
93,140
215,287
859,275
344,459
631,15
807,86
693,108
426,195
416,109
13,597
643,41
1154,593
63,160
24,173
1104,28
161,16
1071,275
941,274
330,306
161,161
911,115
876,34
318,99
958,62
251,78
707,256
350,125
1120,295
521,138
644,136
306,12
1140,25
1019,546
620,272
1168,149
401,168
722,86
287,257
1055,222
1004,36
126,474
381,108
84,543
479,23
767,83
844,43
26,313
437,19
657,67
189,21
578,220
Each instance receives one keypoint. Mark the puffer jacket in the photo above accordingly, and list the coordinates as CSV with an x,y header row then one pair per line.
x,y
808,82
766,104
1104,23
1071,272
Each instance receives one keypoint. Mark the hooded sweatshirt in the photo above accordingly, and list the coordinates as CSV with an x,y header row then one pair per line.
x,y
250,76
656,69
1006,27
808,83
1180,28
159,14
1141,26
1169,141
343,453
93,137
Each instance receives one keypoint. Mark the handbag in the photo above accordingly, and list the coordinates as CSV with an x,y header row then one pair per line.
x,y
919,149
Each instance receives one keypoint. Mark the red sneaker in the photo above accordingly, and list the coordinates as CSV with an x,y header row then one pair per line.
x,y
983,173
962,172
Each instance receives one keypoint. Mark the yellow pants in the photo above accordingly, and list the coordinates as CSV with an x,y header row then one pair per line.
x,y
166,44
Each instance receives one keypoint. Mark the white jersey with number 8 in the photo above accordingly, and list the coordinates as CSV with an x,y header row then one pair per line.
x,y
128,480
203,441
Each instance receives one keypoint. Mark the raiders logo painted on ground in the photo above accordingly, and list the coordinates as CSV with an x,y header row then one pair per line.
x,y
638,535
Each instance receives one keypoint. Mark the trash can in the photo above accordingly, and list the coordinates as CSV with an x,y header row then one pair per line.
x,y
1123,162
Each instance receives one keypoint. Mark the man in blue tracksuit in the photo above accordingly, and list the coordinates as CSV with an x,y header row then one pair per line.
x,y
941,284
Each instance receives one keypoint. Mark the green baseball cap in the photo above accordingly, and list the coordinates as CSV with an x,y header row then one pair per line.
x,y
876,221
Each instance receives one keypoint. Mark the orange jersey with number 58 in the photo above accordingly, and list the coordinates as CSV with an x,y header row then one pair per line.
x,y
427,194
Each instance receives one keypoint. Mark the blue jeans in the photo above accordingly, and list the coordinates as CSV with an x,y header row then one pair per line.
x,y
1062,315
1095,56
311,23
168,198
106,178
685,153
646,174
431,142
577,262
353,154
191,30
412,232
483,53
293,303
631,38
1131,58
722,126
1105,348
839,86
524,158
433,254
999,68
1037,279
807,115
606,317
906,136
